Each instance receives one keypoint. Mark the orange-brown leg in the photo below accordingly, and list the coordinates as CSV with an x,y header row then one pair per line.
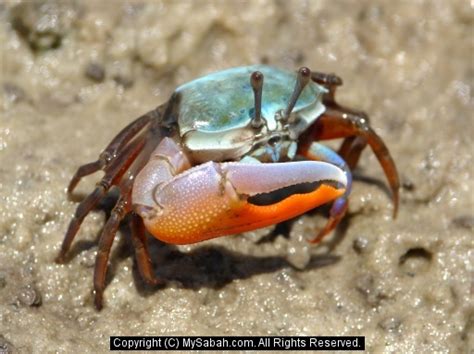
x,y
342,122
121,161
113,173
121,209
352,146
336,123
113,150
349,153
141,250
105,244
319,152
351,149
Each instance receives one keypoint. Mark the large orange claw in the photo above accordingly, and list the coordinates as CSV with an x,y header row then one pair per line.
x,y
211,200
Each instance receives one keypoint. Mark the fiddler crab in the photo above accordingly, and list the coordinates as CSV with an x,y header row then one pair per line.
x,y
200,165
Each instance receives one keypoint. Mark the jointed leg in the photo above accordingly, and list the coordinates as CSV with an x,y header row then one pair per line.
x,y
352,146
322,153
113,173
335,123
105,244
351,149
342,122
83,171
329,81
112,151
141,250
132,166
121,161
81,211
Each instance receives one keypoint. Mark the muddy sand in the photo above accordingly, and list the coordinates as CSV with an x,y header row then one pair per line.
x,y
74,73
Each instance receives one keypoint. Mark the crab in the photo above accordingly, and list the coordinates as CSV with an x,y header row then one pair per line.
x,y
216,158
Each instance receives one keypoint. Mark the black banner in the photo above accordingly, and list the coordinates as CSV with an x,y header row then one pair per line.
x,y
237,343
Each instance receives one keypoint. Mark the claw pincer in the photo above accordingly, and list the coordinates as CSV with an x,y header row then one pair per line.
x,y
211,199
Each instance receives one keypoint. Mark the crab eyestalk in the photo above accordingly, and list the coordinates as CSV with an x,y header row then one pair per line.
x,y
256,80
302,79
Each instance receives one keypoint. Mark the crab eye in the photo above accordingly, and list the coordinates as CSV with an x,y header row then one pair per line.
x,y
302,80
256,81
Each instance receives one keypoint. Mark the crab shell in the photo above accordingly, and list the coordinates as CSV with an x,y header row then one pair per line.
x,y
214,112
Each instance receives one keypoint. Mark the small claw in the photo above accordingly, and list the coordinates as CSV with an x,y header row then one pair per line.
x,y
211,199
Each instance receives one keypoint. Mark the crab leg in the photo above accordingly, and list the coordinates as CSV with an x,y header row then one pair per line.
x,y
105,244
337,123
114,172
320,152
112,150
141,250
212,199
351,149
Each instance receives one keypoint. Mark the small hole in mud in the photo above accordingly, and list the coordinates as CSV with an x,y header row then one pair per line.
x,y
408,185
415,261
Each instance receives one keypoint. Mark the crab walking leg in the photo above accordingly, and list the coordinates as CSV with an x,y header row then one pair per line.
x,y
211,200
351,149
105,244
112,174
342,122
352,146
335,123
112,151
320,152
141,251
121,209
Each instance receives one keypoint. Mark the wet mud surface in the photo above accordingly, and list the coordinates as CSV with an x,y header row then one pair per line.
x,y
74,73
